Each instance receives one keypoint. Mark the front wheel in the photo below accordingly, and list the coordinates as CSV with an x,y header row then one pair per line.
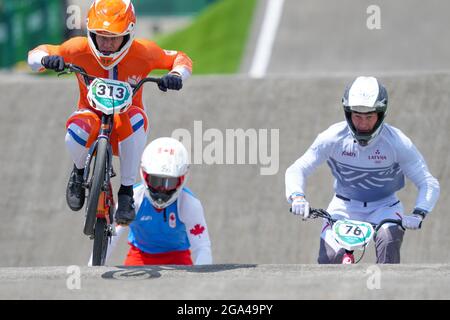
x,y
95,186
348,258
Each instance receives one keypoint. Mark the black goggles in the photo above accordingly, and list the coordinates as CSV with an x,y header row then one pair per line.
x,y
162,183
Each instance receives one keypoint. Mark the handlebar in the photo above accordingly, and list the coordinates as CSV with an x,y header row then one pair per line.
x,y
77,69
87,77
394,221
322,213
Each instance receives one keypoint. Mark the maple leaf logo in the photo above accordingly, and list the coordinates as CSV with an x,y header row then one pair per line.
x,y
172,220
198,229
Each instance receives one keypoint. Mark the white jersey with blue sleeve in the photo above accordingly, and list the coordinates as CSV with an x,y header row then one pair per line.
x,y
366,173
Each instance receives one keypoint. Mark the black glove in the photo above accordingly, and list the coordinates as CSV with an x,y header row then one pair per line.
x,y
170,81
53,62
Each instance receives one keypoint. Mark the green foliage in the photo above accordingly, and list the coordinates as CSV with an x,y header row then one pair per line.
x,y
216,39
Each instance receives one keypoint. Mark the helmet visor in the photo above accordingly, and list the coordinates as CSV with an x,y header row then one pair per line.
x,y
362,109
162,183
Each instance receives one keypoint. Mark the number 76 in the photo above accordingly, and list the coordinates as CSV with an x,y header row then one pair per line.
x,y
356,230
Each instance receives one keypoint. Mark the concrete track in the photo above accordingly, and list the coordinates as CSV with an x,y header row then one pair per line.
x,y
228,282
333,36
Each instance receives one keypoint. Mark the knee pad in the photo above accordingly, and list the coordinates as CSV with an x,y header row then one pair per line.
x,y
390,234
126,124
83,127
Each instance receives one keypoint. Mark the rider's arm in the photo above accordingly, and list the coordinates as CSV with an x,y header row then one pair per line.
x,y
67,50
191,214
35,56
415,168
175,61
297,173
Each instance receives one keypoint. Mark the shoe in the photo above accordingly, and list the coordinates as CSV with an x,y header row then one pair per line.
x,y
125,213
75,194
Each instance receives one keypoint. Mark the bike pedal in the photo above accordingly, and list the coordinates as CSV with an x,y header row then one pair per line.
x,y
112,231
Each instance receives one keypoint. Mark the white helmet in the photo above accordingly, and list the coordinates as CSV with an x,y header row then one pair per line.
x,y
365,95
164,169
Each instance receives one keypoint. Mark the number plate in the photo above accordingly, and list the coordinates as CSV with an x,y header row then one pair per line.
x,y
110,96
352,234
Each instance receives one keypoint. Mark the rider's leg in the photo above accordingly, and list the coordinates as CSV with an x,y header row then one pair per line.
x,y
129,140
388,242
82,129
132,129
330,251
389,238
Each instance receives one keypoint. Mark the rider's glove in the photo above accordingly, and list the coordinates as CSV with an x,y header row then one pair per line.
x,y
413,221
53,62
170,81
300,206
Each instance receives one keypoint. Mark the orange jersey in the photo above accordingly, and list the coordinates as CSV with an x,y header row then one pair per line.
x,y
143,57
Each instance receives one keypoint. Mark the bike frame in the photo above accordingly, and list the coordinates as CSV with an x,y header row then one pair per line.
x,y
106,127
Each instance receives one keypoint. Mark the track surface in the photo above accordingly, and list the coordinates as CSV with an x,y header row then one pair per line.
x,y
230,282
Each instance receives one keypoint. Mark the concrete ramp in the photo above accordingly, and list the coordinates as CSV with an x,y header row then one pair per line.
x,y
246,211
228,282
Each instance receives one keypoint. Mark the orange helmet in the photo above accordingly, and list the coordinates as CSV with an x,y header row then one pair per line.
x,y
111,18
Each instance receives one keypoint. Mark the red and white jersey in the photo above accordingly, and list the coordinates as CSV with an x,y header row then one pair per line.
x,y
143,57
178,227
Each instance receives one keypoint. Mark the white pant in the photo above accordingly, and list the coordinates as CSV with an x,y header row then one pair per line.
x,y
130,152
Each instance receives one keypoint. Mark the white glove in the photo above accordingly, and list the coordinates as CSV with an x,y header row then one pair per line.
x,y
412,222
300,206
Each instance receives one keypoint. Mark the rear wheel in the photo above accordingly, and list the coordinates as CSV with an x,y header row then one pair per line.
x,y
95,186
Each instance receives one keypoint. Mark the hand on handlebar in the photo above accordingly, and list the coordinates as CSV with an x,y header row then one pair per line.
x,y
300,206
412,222
53,63
170,81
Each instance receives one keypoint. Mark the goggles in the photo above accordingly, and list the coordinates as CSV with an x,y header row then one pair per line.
x,y
162,183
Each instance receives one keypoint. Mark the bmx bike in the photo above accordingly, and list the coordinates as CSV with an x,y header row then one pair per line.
x,y
110,97
351,234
